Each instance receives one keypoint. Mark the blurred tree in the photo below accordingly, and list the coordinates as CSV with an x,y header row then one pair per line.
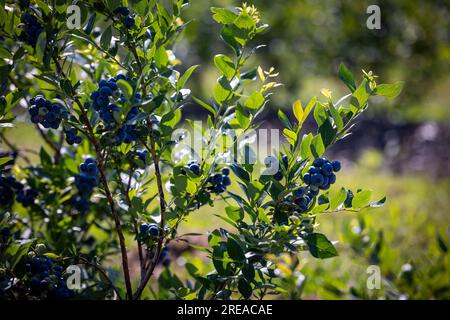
x,y
309,38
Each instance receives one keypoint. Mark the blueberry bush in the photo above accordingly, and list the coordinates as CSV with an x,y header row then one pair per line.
x,y
107,98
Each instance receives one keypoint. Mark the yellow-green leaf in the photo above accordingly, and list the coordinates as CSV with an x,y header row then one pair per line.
x,y
297,108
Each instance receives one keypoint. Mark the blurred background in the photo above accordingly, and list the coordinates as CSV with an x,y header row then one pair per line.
x,y
398,149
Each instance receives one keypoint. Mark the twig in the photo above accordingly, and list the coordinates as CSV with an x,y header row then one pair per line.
x,y
162,204
103,273
14,149
101,167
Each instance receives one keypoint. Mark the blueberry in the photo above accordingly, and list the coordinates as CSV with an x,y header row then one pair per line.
x,y
91,169
307,178
285,161
301,202
123,11
313,170
332,178
77,140
217,178
195,168
327,169
106,90
318,162
143,228
226,180
128,22
299,192
226,171
153,230
336,165
278,176
316,179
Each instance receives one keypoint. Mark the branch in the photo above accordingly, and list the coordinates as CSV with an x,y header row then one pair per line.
x,y
14,149
101,166
103,273
162,204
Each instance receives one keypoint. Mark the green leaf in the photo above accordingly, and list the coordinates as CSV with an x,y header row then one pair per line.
x,y
284,119
297,109
389,90
126,88
347,77
161,58
361,95
336,117
222,90
223,16
338,199
320,114
40,45
234,250
23,250
204,105
180,183
255,100
377,204
291,136
240,172
249,272
305,146
105,40
227,35
5,160
242,117
225,65
214,238
183,79
327,133
140,6
442,245
245,288
45,158
361,199
317,146
234,213
320,247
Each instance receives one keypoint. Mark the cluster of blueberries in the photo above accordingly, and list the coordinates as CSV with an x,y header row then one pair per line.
x,y
148,230
47,277
32,29
72,136
219,181
319,177
101,103
10,187
46,113
128,20
85,181
321,173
